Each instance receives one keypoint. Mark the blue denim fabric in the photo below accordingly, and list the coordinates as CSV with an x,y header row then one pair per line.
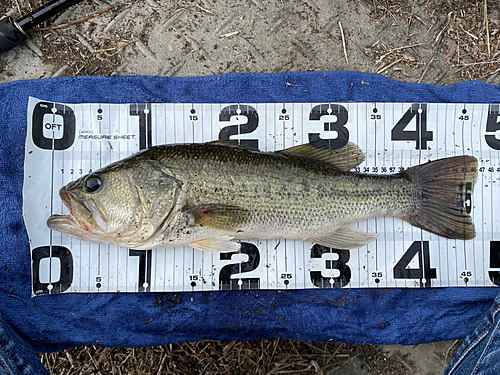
x,y
480,352
16,356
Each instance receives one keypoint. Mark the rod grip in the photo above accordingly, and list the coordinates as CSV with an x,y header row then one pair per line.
x,y
10,34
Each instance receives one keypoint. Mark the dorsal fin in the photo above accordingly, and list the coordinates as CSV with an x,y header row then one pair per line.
x,y
232,144
345,158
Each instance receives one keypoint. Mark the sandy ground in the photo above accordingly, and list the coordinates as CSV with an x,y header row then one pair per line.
x,y
415,41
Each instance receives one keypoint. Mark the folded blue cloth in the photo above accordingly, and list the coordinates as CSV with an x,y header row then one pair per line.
x,y
380,316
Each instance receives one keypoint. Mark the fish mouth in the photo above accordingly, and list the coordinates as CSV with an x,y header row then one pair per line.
x,y
74,224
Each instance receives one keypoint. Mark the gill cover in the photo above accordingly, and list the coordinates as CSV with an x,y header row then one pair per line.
x,y
157,193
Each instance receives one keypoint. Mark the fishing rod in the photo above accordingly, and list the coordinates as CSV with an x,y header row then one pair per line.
x,y
13,33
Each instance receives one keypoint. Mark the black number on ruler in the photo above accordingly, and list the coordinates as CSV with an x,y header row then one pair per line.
x,y
492,125
339,126
424,270
144,280
145,131
421,135
464,198
63,257
225,281
340,264
375,116
193,116
40,122
495,262
252,123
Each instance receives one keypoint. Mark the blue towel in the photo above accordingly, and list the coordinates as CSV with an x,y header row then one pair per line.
x,y
379,316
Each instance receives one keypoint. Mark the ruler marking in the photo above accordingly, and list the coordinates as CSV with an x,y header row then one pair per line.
x,y
446,155
387,220
455,132
490,183
100,165
433,238
419,230
450,265
62,238
358,252
51,198
463,149
367,222
375,161
194,283
482,200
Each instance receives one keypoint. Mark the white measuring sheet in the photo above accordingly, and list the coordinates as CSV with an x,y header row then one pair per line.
x,y
67,141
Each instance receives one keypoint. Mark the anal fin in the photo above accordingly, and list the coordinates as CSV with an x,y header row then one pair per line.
x,y
221,244
345,238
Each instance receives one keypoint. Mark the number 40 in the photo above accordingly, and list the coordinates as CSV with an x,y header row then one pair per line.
x,y
424,273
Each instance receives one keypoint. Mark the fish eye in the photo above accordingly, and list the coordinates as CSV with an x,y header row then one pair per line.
x,y
92,183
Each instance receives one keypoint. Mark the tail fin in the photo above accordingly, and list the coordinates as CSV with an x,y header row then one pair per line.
x,y
446,186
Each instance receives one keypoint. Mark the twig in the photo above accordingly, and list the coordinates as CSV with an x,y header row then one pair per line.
x,y
177,11
448,351
428,31
477,63
18,7
343,363
469,34
487,27
162,363
230,34
397,49
440,35
205,10
70,358
393,16
92,359
426,68
492,73
77,21
388,66
292,371
343,43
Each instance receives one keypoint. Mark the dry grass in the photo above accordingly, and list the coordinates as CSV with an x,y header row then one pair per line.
x,y
475,29
258,357
467,32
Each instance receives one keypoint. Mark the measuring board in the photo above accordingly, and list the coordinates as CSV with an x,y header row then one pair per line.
x,y
67,141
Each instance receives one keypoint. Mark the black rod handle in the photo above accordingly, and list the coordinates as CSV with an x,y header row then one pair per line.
x,y
44,13
13,33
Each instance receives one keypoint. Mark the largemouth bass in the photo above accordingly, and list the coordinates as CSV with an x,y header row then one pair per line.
x,y
207,195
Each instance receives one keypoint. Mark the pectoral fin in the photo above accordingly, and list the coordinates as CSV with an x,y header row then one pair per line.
x,y
345,238
221,244
215,216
